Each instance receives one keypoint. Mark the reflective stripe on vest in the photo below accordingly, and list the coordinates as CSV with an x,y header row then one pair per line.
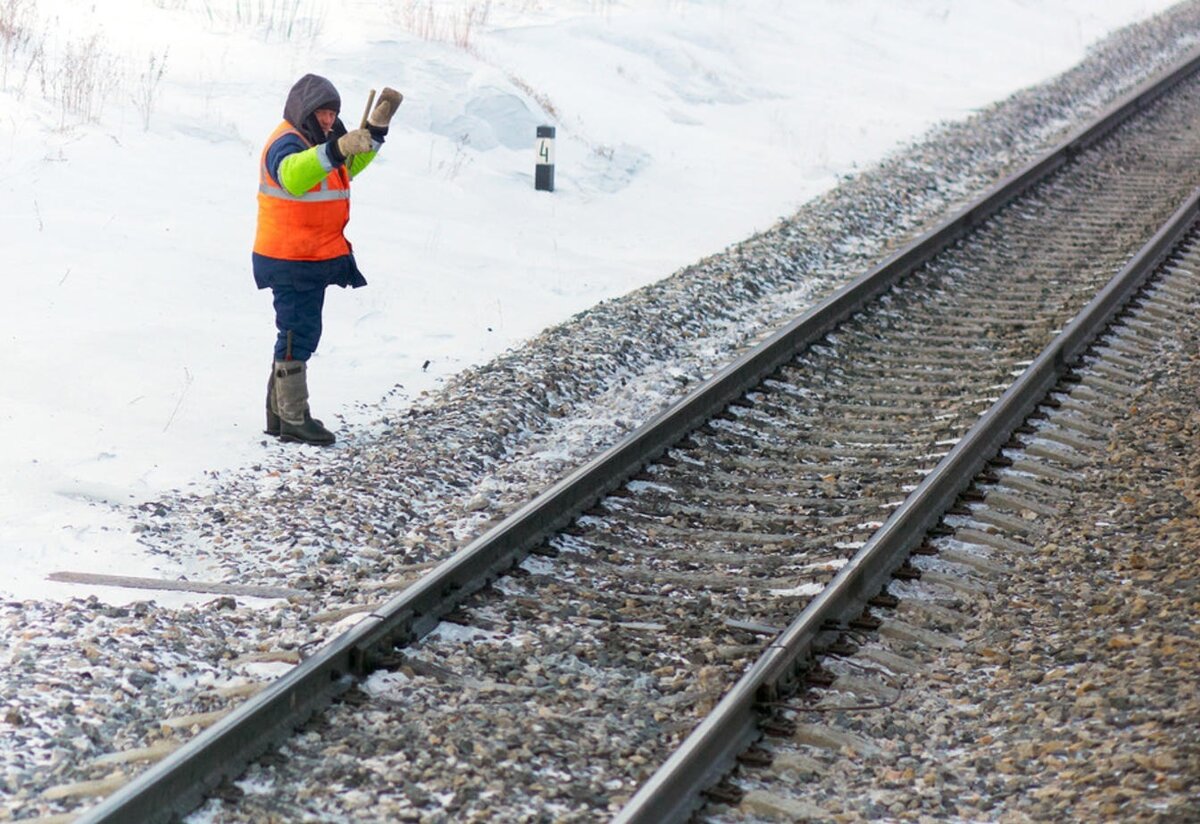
x,y
306,226
312,196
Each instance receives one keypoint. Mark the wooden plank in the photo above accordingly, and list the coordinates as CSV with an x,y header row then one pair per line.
x,y
130,582
155,752
276,656
334,615
85,789
201,720
241,690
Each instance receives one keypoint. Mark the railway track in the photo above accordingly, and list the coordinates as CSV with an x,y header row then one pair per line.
x,y
940,629
555,661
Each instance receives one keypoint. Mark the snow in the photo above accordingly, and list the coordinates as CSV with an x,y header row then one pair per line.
x,y
136,349
801,591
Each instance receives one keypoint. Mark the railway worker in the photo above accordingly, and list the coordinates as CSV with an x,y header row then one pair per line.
x,y
299,246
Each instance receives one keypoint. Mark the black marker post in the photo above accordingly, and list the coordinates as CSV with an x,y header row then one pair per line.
x,y
543,177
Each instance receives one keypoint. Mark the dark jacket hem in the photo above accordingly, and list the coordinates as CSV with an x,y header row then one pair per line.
x,y
306,274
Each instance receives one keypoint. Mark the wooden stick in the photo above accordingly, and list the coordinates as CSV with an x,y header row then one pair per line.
x,y
367,111
177,586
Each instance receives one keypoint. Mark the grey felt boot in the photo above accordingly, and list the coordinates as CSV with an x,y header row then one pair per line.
x,y
291,399
273,421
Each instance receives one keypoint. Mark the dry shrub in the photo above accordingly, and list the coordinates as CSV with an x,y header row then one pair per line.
x,y
81,80
21,46
430,20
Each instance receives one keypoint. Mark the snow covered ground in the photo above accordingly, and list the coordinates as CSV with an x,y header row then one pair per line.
x,y
135,347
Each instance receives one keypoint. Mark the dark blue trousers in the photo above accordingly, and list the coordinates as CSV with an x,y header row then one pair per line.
x,y
298,319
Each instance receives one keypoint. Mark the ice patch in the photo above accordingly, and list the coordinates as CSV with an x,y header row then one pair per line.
x,y
258,785
458,634
538,565
382,682
640,486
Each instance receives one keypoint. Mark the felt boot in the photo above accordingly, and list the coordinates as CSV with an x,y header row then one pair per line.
x,y
291,399
273,421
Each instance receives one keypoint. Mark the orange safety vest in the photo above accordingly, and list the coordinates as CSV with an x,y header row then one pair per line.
x,y
304,227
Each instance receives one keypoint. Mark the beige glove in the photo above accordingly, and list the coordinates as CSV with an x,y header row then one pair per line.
x,y
389,101
355,142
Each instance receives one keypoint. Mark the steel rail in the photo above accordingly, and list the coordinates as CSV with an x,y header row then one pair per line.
x,y
179,783
674,792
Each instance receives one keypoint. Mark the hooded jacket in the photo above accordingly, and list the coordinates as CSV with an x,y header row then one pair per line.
x,y
303,200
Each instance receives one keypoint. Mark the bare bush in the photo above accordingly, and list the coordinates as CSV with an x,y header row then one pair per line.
x,y
146,92
278,20
540,98
450,167
433,21
81,80
21,47
77,75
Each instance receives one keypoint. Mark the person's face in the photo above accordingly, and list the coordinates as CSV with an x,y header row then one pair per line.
x,y
325,118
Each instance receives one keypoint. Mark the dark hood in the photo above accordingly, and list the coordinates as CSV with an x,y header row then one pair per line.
x,y
310,93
